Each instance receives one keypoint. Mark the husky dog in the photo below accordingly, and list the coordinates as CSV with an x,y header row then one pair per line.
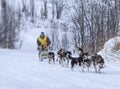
x,y
98,62
51,57
63,57
86,61
81,61
66,56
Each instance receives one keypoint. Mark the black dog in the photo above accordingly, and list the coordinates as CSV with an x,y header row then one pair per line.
x,y
77,60
81,61
51,57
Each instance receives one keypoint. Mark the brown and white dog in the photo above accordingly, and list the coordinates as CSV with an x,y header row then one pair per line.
x,y
63,57
98,62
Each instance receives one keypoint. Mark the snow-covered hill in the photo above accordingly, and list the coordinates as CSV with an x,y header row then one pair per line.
x,y
20,69
111,51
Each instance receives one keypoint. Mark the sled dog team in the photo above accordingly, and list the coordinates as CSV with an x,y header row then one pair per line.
x,y
84,59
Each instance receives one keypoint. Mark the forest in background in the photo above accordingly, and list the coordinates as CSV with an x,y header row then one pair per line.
x,y
90,23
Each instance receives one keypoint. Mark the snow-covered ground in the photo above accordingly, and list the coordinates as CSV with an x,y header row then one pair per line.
x,y
21,69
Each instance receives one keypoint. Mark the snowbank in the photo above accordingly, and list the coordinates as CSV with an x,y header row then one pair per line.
x,y
111,52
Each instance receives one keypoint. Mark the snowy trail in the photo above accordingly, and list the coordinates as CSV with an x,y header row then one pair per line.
x,y
21,70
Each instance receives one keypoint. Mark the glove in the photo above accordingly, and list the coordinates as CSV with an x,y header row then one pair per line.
x,y
39,48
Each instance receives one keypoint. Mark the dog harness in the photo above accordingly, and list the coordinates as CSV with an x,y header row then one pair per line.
x,y
43,41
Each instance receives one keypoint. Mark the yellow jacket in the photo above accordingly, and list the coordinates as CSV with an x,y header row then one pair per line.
x,y
43,41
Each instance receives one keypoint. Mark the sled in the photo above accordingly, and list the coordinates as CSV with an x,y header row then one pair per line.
x,y
43,54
